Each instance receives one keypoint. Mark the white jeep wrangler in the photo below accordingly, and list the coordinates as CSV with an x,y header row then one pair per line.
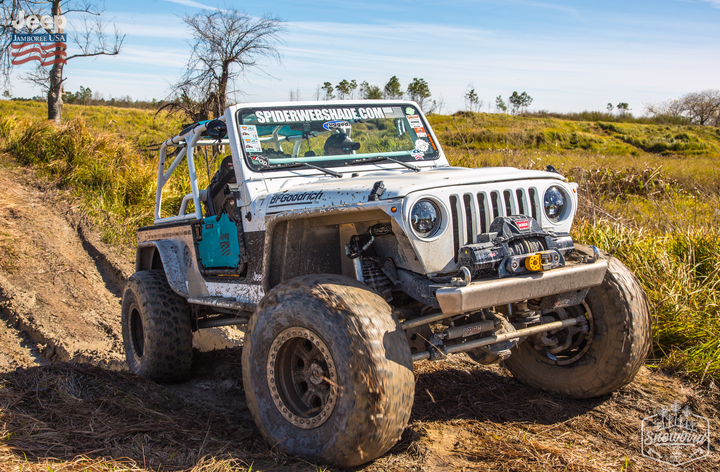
x,y
338,233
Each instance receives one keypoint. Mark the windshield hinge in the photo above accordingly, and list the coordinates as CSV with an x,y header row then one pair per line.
x,y
377,191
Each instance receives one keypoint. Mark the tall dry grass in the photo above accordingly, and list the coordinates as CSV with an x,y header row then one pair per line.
x,y
680,273
113,178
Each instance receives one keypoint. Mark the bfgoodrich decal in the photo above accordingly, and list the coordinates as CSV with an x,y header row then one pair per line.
x,y
285,199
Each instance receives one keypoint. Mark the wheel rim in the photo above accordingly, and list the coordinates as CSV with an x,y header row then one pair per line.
x,y
302,378
579,341
137,333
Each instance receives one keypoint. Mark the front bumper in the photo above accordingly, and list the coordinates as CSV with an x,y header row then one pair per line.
x,y
495,292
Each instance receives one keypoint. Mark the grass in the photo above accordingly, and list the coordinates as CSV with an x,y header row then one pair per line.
x,y
650,192
687,154
681,276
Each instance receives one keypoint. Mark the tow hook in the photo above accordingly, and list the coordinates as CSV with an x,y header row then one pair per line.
x,y
463,278
592,259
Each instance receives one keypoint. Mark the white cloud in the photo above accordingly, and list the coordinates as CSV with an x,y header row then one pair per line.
x,y
190,3
194,4
714,3
153,56
550,6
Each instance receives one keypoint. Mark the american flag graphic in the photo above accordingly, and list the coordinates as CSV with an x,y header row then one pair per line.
x,y
47,54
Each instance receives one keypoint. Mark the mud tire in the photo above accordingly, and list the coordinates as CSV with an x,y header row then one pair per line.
x,y
372,360
620,342
157,334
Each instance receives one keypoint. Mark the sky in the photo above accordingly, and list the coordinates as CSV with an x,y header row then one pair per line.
x,y
569,56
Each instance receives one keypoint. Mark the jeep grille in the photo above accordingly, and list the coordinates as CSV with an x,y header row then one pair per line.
x,y
472,213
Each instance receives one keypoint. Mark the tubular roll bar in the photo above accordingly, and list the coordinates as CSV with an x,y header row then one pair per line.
x,y
188,142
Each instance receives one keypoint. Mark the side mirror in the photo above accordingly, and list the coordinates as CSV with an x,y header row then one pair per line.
x,y
216,129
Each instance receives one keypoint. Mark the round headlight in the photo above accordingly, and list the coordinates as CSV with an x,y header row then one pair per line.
x,y
554,203
425,218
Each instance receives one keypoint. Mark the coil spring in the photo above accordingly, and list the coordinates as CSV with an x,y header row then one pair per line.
x,y
376,278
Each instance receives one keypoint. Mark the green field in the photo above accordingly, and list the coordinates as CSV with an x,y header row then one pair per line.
x,y
649,193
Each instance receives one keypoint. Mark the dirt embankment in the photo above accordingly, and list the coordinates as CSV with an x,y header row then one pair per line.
x,y
59,301
59,284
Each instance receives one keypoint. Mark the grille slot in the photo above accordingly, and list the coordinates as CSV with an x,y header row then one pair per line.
x,y
534,204
482,212
455,225
470,228
494,198
521,201
509,207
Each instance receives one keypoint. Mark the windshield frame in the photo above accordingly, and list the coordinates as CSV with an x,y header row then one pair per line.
x,y
359,112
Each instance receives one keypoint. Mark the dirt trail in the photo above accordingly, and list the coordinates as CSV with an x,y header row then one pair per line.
x,y
59,285
59,301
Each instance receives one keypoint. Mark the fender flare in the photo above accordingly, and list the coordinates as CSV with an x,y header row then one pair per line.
x,y
171,259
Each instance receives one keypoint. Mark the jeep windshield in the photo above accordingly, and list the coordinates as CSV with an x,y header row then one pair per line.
x,y
333,135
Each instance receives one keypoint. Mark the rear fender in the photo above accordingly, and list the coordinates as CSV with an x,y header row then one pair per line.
x,y
171,259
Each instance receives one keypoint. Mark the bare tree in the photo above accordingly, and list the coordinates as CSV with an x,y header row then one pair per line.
x,y
702,107
226,44
672,108
295,95
91,40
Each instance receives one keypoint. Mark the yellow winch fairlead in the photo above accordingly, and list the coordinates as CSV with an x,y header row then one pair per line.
x,y
538,261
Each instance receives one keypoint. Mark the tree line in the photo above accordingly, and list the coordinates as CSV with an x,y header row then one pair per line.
x,y
418,91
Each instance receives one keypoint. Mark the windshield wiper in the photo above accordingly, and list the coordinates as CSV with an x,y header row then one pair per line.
x,y
290,165
383,158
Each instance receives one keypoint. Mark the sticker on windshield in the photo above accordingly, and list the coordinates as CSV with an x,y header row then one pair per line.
x,y
330,125
421,145
393,112
416,124
417,154
409,111
414,121
250,138
259,160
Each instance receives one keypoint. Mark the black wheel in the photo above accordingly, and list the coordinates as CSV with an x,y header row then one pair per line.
x,y
156,329
601,359
327,371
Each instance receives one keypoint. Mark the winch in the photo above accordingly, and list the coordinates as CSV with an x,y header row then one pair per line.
x,y
515,245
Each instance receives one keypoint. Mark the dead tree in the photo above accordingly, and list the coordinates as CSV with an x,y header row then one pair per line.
x,y
225,44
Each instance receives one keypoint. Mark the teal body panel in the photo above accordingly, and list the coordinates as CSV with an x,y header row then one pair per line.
x,y
219,245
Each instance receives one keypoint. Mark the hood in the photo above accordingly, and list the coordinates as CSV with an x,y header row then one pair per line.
x,y
347,190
